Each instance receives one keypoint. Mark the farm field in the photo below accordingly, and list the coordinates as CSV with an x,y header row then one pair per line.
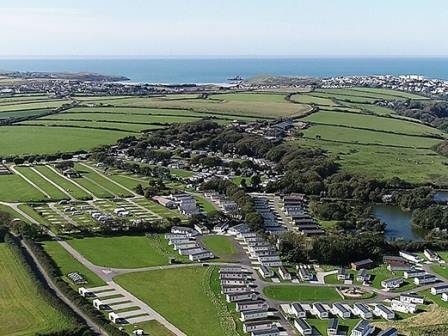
x,y
301,293
122,251
373,122
176,293
366,137
17,140
67,264
24,311
308,99
113,126
250,97
257,109
414,165
32,105
15,189
152,327
23,113
67,185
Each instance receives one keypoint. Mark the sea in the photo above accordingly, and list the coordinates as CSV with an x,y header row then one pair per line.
x,y
219,70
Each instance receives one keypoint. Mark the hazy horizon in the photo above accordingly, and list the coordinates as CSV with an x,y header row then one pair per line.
x,y
231,29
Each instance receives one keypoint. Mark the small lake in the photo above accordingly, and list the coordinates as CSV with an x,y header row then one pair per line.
x,y
441,196
398,222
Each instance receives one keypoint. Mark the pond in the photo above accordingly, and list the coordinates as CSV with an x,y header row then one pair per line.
x,y
441,196
398,222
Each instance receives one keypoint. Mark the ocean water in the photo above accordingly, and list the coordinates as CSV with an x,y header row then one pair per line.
x,y
219,70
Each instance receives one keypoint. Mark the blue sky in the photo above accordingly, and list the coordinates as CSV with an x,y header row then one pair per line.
x,y
224,28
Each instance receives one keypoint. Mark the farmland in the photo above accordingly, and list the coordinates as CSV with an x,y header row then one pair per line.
x,y
24,311
176,293
371,140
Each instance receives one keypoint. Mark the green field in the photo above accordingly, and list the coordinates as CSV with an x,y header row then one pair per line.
x,y
366,137
152,327
372,123
16,140
122,252
308,99
23,113
182,296
15,189
33,105
67,185
414,165
50,189
67,264
24,311
95,178
301,293
222,247
237,108
250,97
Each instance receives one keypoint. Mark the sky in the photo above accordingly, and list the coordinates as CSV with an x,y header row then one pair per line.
x,y
223,28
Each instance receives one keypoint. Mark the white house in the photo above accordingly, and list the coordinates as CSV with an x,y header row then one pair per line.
x,y
256,326
241,296
414,273
363,328
439,289
392,283
431,255
362,310
384,312
303,326
425,279
84,292
412,257
268,332
403,307
198,256
250,315
341,311
298,310
284,274
251,305
412,298
319,311
266,272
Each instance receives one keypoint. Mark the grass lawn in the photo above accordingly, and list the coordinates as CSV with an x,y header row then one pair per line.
x,y
301,293
250,97
222,247
127,181
204,204
24,311
97,178
183,296
15,189
68,186
122,251
50,189
67,264
16,140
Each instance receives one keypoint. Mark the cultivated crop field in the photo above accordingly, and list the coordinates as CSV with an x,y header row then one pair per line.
x,y
24,311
